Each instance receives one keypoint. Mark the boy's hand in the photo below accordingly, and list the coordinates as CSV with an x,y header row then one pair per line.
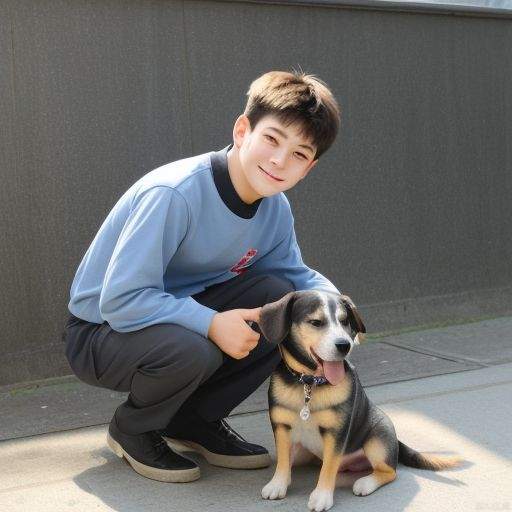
x,y
230,332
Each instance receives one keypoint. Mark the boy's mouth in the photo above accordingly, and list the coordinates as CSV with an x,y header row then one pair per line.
x,y
271,175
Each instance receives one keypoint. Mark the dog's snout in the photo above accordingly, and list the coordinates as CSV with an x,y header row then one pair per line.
x,y
343,346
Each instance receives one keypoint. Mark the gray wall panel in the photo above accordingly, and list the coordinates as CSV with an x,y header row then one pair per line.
x,y
11,276
99,102
417,173
409,212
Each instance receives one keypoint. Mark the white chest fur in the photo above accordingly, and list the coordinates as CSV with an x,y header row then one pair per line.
x,y
307,434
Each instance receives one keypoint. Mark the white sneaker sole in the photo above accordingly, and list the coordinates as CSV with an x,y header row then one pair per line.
x,y
162,475
225,461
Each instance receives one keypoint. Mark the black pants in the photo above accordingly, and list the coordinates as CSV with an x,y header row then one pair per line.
x,y
167,367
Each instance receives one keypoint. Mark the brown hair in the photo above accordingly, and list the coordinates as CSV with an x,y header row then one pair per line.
x,y
296,98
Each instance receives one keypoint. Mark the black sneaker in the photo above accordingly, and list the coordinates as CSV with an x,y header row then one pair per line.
x,y
149,455
216,441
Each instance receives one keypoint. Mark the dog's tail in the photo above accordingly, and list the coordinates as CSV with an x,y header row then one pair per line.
x,y
414,459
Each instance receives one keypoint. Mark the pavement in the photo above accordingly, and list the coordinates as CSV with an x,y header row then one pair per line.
x,y
447,389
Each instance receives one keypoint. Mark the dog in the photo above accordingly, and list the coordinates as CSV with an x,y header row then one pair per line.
x,y
317,406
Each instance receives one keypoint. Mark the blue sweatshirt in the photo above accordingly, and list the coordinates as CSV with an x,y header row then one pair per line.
x,y
176,231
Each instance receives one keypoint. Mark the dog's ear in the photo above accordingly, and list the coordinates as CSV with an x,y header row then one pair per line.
x,y
276,318
356,324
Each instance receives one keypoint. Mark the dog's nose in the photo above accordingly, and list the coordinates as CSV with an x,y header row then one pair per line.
x,y
343,346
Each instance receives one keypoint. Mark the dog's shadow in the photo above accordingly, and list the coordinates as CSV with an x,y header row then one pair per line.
x,y
116,484
397,495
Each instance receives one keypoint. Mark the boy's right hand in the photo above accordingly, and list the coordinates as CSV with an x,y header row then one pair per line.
x,y
230,332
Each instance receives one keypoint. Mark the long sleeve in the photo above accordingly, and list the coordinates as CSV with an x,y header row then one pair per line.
x,y
132,295
286,260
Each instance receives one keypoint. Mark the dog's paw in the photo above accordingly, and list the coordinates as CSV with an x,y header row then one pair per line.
x,y
365,486
275,489
320,499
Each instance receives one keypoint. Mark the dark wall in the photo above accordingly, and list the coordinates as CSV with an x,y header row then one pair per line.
x,y
409,212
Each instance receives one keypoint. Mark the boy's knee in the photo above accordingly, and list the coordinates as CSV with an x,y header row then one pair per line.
x,y
277,287
190,355
208,359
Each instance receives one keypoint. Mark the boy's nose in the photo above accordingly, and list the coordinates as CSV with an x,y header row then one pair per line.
x,y
278,159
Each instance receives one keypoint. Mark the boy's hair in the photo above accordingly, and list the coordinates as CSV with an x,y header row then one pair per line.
x,y
296,98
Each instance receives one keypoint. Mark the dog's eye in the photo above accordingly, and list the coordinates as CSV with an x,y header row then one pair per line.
x,y
344,321
316,323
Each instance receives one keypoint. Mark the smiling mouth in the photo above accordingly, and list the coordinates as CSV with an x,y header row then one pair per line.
x,y
318,360
334,371
320,370
271,175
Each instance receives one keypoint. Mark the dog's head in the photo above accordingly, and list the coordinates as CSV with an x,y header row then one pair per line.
x,y
317,330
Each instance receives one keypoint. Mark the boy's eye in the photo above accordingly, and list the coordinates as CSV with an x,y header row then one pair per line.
x,y
301,155
270,138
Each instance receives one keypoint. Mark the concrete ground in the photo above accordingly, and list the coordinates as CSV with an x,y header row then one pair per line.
x,y
447,390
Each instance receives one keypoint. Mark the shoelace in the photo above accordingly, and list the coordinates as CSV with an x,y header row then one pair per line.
x,y
224,427
157,443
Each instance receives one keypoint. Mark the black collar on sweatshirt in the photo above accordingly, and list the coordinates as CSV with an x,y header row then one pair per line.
x,y
225,186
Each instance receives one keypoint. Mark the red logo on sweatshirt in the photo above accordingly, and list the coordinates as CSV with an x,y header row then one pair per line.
x,y
243,264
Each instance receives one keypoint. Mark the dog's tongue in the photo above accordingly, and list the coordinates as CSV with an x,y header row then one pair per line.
x,y
334,371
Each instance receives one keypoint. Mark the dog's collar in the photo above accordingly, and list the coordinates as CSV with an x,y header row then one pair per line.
x,y
303,378
310,380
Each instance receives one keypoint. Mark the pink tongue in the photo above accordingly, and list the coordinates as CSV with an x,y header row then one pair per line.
x,y
334,371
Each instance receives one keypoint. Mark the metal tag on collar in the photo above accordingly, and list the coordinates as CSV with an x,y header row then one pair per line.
x,y
305,412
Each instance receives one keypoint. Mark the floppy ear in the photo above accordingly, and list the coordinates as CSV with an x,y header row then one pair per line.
x,y
356,324
276,318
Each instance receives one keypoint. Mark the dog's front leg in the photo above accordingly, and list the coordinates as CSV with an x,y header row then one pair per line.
x,y
322,497
278,486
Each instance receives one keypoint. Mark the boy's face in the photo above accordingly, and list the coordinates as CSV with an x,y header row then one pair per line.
x,y
273,157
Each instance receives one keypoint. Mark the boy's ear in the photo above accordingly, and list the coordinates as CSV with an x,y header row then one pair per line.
x,y
240,129
276,318
311,165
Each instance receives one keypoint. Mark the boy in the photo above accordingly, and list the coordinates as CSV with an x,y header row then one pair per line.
x,y
162,300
